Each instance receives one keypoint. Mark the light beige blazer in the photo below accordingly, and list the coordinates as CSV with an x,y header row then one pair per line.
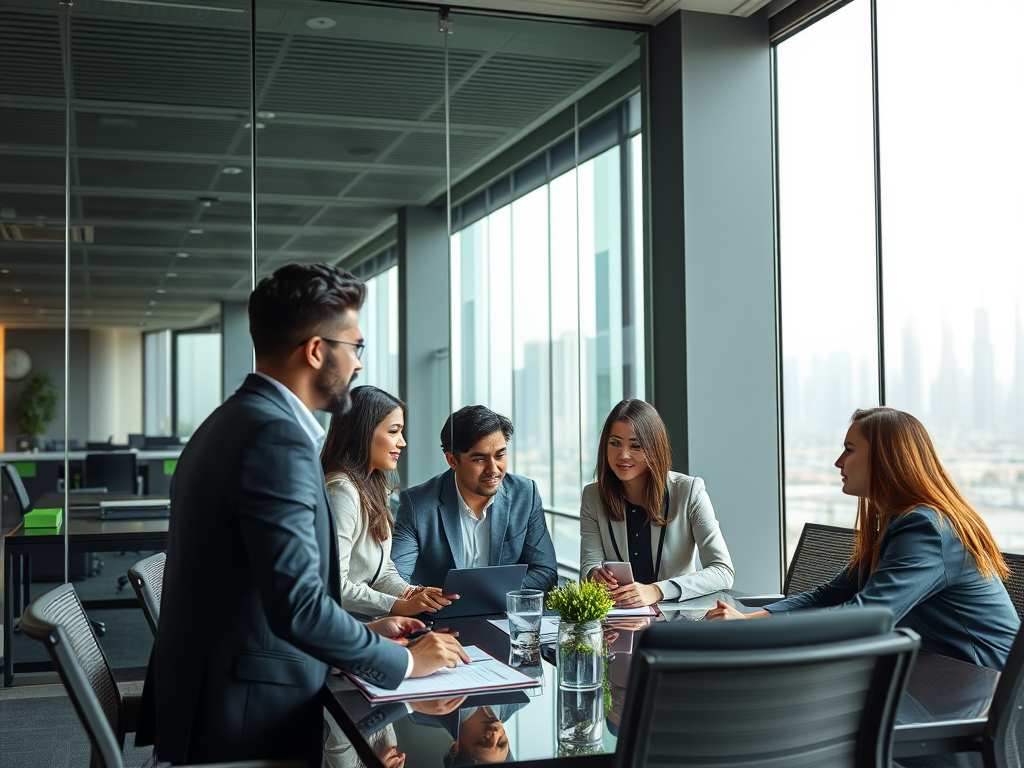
x,y
692,529
361,555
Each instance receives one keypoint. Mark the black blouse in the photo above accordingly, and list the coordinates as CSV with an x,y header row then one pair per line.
x,y
638,528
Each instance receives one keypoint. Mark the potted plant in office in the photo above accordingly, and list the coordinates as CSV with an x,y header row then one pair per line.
x,y
37,407
580,650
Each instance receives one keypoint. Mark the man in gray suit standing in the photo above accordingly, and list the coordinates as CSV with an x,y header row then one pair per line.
x,y
474,514
250,620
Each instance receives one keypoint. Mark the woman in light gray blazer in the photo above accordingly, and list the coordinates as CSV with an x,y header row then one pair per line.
x,y
641,513
361,446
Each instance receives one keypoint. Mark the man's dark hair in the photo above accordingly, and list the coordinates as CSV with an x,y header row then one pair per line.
x,y
299,301
468,425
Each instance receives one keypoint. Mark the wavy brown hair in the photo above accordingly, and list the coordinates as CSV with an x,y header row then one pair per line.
x,y
650,431
906,473
348,451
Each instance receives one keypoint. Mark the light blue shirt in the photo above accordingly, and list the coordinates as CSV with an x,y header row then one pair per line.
x,y
476,533
316,436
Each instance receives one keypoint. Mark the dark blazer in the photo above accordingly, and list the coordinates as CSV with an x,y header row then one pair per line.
x,y
427,540
250,621
933,586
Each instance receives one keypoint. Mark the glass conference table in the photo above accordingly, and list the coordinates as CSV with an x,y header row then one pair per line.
x,y
942,709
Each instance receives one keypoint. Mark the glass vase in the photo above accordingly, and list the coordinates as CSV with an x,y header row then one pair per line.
x,y
580,721
580,655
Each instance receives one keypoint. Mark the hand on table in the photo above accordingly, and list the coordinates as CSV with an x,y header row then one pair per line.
x,y
636,595
434,650
421,600
726,611
437,706
396,628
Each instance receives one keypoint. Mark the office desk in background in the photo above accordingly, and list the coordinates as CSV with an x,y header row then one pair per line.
x,y
86,532
941,711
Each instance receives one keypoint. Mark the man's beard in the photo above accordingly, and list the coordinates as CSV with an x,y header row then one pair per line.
x,y
328,384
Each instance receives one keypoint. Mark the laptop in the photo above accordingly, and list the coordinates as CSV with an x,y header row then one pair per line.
x,y
481,590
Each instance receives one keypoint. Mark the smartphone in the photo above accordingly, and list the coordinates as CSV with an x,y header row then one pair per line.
x,y
623,572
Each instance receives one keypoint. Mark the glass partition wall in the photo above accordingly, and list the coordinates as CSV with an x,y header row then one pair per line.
x,y
131,184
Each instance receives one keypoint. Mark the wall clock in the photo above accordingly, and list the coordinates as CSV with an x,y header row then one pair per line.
x,y
17,363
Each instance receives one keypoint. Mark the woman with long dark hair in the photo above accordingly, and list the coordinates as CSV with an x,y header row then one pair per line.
x,y
640,512
921,550
362,447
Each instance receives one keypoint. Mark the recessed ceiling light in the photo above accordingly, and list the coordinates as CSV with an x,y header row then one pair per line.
x,y
17,290
142,324
231,170
149,313
160,290
265,115
259,126
152,303
181,255
320,22
25,301
195,231
5,271
172,274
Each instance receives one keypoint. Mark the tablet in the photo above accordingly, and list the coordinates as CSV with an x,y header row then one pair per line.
x,y
480,590
623,572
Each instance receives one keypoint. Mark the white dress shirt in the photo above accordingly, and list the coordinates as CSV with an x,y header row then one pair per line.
x,y
476,534
316,435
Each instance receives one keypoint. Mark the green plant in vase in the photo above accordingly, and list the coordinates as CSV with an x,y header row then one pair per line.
x,y
580,606
37,407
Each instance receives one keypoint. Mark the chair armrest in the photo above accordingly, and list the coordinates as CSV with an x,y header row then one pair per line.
x,y
921,739
759,601
256,764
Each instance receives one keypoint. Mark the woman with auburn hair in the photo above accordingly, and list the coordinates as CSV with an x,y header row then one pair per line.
x,y
921,550
361,446
641,513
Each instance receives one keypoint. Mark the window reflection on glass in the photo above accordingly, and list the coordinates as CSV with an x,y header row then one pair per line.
x,y
378,321
197,379
953,249
555,258
827,255
157,383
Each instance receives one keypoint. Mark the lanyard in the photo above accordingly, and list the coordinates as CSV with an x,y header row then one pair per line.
x,y
661,538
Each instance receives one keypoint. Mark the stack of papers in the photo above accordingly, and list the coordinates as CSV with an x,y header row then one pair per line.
x,y
647,610
484,673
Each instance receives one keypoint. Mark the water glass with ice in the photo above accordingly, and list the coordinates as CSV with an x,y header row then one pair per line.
x,y
524,610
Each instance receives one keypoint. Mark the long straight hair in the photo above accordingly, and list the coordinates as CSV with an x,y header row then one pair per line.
x,y
650,431
906,473
348,451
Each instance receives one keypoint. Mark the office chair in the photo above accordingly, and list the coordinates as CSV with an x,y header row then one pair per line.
x,y
820,689
1002,745
19,494
1015,584
57,620
147,578
821,553
114,471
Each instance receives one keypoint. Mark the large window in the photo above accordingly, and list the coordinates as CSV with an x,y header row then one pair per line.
x,y
565,260
951,252
378,320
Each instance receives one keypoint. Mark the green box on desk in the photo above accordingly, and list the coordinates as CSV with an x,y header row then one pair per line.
x,y
44,518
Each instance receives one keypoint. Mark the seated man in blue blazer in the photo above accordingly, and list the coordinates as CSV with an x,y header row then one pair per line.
x,y
474,514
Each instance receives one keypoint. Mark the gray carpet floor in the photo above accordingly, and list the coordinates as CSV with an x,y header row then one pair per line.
x,y
39,729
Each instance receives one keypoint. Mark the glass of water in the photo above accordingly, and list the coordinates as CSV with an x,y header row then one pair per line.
x,y
524,610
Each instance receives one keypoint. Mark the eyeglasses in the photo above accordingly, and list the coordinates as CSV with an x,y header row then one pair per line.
x,y
359,345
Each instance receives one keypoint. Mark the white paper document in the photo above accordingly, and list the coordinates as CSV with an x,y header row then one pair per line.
x,y
548,627
484,673
647,610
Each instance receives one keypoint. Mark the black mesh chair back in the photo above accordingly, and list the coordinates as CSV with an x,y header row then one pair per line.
x,y
13,480
147,578
822,552
817,690
58,621
114,471
1003,743
1015,584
